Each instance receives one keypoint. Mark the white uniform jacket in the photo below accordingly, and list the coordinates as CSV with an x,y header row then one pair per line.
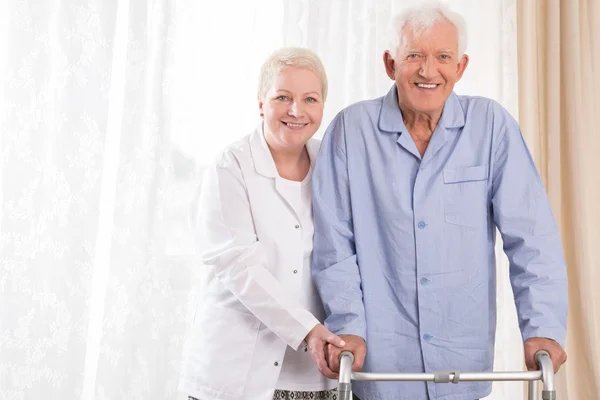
x,y
253,304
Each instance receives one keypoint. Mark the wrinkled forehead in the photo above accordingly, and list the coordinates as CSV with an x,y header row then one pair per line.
x,y
441,35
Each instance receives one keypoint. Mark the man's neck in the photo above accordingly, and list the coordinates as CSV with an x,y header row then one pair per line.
x,y
420,124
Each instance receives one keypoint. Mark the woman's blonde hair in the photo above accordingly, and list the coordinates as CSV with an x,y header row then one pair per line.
x,y
298,57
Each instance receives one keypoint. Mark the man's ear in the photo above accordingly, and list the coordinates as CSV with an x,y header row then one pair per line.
x,y
390,65
462,66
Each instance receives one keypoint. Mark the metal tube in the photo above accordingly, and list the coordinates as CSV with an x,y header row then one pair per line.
x,y
404,377
542,358
464,376
533,390
345,381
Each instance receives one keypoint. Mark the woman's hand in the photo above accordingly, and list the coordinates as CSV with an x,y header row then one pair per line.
x,y
317,340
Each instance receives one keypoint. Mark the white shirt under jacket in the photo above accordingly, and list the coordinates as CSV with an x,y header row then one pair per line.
x,y
258,301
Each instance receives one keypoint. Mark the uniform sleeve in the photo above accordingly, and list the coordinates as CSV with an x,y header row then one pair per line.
x,y
229,244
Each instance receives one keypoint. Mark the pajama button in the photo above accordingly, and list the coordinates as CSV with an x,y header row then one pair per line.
x,y
297,226
275,363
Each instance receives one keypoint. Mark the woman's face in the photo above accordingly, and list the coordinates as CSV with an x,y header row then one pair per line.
x,y
292,108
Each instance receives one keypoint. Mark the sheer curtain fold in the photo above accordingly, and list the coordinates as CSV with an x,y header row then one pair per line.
x,y
559,54
56,58
132,112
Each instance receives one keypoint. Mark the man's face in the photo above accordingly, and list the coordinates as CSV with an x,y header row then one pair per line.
x,y
426,67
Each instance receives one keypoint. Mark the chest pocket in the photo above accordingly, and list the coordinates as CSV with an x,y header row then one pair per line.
x,y
465,196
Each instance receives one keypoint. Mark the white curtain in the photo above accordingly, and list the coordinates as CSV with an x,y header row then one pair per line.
x,y
110,111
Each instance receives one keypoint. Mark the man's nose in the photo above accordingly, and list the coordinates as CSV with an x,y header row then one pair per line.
x,y
427,68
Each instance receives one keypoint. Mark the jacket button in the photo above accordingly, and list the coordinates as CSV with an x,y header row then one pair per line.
x,y
275,363
297,226
295,271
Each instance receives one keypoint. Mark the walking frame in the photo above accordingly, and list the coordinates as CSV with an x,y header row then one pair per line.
x,y
542,358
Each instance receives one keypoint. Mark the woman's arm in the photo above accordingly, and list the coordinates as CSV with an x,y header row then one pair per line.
x,y
229,244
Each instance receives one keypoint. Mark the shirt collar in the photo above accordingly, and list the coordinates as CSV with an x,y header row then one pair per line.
x,y
390,117
262,158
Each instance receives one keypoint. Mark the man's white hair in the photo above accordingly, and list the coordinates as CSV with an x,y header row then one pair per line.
x,y
298,57
419,19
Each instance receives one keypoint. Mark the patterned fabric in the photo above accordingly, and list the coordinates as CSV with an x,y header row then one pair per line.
x,y
288,395
284,394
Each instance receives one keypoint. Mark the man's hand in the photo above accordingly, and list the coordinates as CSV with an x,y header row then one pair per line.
x,y
317,339
532,345
355,345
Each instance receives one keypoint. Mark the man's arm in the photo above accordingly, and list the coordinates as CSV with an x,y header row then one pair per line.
x,y
531,241
334,267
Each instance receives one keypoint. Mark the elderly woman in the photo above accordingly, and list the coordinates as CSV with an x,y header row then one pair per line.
x,y
257,321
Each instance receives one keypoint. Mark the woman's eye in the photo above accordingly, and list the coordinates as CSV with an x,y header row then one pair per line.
x,y
282,98
311,100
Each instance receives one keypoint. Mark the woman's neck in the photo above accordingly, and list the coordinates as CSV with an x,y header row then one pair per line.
x,y
291,163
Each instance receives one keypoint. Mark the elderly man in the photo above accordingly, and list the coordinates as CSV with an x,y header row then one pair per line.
x,y
408,192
